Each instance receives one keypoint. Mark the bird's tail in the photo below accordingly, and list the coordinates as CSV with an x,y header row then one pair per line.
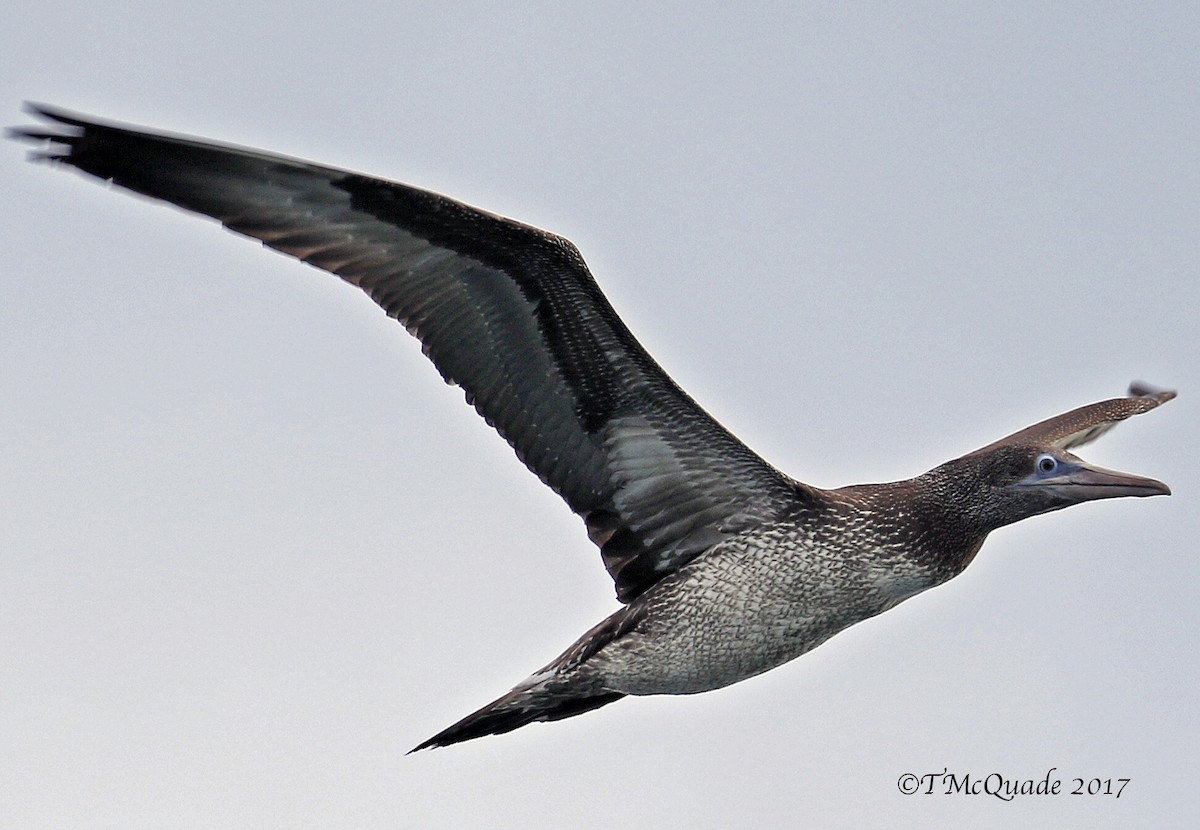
x,y
562,689
540,698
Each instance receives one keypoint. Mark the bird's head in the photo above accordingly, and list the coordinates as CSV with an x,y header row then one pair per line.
x,y
1032,471
1005,484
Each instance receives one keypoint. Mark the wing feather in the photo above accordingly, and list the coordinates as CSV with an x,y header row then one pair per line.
x,y
1087,423
506,311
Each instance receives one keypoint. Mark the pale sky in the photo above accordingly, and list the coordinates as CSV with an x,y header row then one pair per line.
x,y
253,549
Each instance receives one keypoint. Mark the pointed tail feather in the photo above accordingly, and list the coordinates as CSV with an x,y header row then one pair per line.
x,y
542,701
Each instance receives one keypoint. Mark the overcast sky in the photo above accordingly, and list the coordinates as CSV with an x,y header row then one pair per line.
x,y
252,549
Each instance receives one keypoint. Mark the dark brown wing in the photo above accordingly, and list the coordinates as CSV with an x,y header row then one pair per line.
x,y
1087,423
508,312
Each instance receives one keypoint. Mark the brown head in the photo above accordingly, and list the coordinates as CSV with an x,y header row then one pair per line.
x,y
1033,471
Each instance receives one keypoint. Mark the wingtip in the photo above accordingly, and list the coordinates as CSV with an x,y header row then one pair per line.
x,y
50,112
52,132
1141,389
37,108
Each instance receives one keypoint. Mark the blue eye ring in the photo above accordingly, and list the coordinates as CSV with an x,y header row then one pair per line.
x,y
1046,463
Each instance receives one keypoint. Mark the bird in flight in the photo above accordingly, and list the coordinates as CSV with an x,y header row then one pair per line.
x,y
725,567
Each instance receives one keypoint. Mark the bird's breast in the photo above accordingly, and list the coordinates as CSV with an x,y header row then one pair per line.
x,y
754,602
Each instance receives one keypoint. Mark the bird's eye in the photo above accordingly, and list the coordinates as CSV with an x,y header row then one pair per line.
x,y
1047,463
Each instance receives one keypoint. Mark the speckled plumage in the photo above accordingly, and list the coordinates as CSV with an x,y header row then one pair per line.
x,y
728,567
768,595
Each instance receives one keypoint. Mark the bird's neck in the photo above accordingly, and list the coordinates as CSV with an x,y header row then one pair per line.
x,y
925,519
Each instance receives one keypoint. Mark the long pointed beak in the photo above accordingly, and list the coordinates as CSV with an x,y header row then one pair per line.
x,y
1078,481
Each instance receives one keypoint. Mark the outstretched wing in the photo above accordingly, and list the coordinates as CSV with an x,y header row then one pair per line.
x,y
508,312
1087,423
